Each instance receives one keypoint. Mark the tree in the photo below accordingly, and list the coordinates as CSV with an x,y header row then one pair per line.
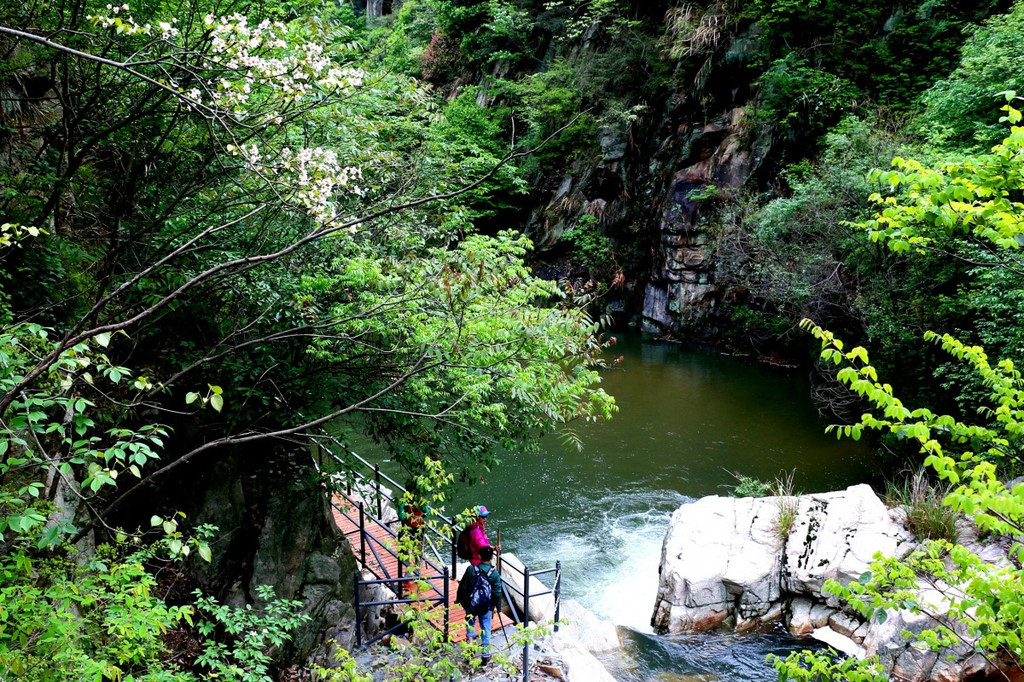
x,y
223,232
960,108
267,253
972,198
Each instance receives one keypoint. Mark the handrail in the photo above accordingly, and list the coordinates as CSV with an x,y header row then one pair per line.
x,y
442,600
396,582
432,529
349,452
534,574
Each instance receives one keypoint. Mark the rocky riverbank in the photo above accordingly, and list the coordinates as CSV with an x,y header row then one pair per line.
x,y
731,563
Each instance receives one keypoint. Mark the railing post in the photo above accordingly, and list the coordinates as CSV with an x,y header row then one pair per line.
x,y
355,575
447,609
376,480
362,534
526,595
558,591
526,622
399,587
455,542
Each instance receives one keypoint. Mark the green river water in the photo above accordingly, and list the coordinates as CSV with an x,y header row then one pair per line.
x,y
687,419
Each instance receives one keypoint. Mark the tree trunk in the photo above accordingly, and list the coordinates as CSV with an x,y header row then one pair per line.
x,y
374,10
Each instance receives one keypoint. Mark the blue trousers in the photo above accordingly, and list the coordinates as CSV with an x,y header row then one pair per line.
x,y
485,630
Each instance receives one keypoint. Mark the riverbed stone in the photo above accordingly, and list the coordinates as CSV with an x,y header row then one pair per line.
x,y
912,661
800,623
820,614
580,664
840,643
592,633
843,623
860,633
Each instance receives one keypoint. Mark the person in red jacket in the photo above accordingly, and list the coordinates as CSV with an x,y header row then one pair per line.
x,y
478,535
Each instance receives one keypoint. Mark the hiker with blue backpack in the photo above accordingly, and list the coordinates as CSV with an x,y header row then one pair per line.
x,y
480,594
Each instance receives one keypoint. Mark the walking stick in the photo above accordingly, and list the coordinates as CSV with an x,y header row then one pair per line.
x,y
508,645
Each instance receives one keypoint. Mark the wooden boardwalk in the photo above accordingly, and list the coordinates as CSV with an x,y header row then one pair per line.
x,y
383,564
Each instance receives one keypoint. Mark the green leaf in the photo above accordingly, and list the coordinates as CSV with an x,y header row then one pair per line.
x,y
49,537
217,402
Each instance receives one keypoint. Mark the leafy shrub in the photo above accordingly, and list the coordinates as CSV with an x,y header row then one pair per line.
x,y
800,99
243,654
441,59
748,486
96,620
550,100
963,107
591,247
401,46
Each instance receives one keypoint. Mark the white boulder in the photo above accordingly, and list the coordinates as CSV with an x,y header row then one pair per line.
x,y
580,664
726,562
835,535
724,559
592,633
542,599
720,558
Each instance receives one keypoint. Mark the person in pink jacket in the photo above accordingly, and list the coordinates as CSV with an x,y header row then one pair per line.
x,y
478,535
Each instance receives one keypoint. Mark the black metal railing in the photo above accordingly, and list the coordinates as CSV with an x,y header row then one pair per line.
x,y
555,590
352,476
379,549
418,580
439,538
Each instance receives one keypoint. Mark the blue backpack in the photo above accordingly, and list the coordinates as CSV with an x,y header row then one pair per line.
x,y
477,601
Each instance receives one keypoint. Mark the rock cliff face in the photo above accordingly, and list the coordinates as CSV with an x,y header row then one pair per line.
x,y
274,529
672,189
683,292
724,564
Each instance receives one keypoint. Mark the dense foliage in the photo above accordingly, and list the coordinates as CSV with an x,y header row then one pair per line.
x,y
223,230
970,200
227,225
